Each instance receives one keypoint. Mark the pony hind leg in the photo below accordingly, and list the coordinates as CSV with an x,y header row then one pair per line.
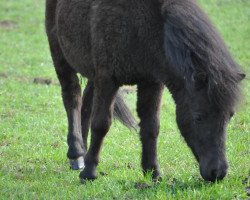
x,y
104,96
87,101
148,109
121,111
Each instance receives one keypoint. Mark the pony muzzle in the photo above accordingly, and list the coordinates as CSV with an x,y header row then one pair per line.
x,y
212,170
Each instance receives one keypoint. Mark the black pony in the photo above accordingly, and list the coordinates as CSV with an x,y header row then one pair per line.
x,y
151,43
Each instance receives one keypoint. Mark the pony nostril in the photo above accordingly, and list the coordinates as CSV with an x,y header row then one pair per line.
x,y
222,174
214,173
211,175
218,174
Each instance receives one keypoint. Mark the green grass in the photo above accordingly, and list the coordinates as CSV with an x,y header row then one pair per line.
x,y
33,126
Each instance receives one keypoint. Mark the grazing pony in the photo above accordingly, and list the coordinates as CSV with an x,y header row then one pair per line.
x,y
151,43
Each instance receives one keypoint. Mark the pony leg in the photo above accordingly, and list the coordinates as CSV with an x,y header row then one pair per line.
x,y
103,102
87,101
71,95
85,121
121,111
71,91
148,109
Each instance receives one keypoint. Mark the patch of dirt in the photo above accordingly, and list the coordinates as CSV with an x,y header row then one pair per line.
x,y
5,143
7,114
19,176
56,144
3,75
142,186
129,166
43,81
126,165
103,174
33,161
8,24
116,165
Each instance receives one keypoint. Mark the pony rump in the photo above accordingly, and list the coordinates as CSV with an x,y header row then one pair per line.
x,y
197,53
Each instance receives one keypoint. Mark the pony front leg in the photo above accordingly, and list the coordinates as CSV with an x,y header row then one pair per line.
x,y
104,95
87,100
71,90
148,108
71,94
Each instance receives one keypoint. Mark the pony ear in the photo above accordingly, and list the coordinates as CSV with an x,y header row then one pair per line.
x,y
241,76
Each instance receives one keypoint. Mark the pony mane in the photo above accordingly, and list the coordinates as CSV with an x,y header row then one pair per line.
x,y
196,51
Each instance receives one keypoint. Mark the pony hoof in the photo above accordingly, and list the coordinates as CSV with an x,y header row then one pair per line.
x,y
87,175
76,164
157,179
155,174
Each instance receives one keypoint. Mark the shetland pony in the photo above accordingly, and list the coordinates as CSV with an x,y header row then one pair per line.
x,y
153,44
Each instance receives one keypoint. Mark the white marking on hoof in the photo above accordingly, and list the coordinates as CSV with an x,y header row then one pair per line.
x,y
76,164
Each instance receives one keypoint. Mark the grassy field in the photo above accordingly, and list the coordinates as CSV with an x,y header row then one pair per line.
x,y
33,163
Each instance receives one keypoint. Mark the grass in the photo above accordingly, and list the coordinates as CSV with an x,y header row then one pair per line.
x,y
33,163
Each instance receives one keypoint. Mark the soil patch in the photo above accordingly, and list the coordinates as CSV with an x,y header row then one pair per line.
x,y
142,186
43,81
8,24
103,174
3,75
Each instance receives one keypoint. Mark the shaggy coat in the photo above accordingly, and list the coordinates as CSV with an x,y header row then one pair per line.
x,y
151,43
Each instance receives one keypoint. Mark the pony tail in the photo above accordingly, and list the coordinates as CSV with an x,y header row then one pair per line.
x,y
123,114
193,46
